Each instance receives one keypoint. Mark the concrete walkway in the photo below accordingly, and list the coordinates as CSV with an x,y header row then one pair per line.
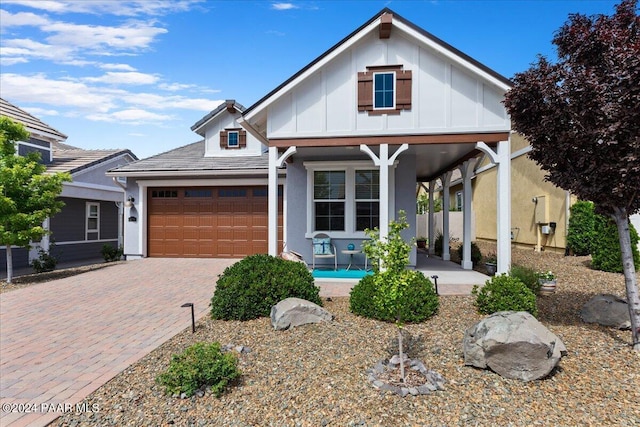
x,y
61,340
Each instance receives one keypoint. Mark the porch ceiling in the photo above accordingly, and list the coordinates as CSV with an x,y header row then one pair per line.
x,y
431,159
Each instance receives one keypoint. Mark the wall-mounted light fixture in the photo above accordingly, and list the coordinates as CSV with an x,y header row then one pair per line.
x,y
534,200
130,201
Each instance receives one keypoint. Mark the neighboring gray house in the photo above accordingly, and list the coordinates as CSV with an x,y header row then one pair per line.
x,y
348,137
92,215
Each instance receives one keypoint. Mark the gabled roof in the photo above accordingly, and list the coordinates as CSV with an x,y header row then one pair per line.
x,y
396,18
189,160
67,158
229,104
31,123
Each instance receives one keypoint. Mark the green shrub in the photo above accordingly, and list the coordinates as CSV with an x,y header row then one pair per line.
x,y
476,255
606,254
250,287
200,365
393,294
504,293
528,276
45,262
415,299
110,254
581,234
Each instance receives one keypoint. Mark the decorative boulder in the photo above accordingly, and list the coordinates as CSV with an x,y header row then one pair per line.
x,y
607,310
514,345
292,312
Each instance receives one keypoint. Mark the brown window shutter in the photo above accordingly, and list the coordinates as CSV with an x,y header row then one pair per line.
x,y
365,91
242,138
223,139
403,90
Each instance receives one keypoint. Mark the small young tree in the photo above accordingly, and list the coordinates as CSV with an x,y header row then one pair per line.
x,y
28,196
400,294
582,118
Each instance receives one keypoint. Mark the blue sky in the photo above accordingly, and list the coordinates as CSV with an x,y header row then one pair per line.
x,y
139,74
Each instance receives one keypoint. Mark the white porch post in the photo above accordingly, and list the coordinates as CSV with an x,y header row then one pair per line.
x,y
432,225
446,182
273,201
275,162
384,162
504,207
467,172
502,160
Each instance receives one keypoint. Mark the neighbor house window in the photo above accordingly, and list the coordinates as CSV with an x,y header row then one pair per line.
x,y
384,89
459,202
233,138
329,200
343,198
93,221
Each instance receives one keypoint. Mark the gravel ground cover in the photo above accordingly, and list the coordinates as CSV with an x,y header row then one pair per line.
x,y
315,375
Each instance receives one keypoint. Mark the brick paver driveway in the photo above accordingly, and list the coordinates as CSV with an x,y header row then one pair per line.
x,y
61,340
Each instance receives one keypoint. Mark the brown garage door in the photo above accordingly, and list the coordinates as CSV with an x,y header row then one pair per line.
x,y
209,222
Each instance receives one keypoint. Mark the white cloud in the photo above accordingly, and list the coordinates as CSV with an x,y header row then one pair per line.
x,y
129,78
62,93
138,115
25,49
283,6
173,87
118,8
9,19
38,112
119,67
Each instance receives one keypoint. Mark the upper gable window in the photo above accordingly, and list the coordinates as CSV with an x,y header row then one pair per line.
x,y
233,139
384,89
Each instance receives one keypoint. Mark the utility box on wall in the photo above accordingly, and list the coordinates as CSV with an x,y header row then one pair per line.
x,y
541,214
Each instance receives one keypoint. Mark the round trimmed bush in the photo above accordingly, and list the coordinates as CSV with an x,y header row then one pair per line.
x,y
411,299
249,288
581,234
504,293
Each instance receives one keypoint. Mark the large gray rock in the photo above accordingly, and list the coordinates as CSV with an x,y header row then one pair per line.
x,y
292,312
607,310
514,345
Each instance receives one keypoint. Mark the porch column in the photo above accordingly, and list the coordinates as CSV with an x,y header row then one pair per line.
x,y
467,169
502,159
446,182
384,162
275,163
432,225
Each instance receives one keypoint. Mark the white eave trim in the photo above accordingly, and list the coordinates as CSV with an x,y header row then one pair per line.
x,y
173,173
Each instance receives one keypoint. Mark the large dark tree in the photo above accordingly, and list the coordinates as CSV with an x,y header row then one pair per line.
x,y
581,115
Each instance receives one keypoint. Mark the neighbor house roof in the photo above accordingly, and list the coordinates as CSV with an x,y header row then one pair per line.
x,y
190,160
67,158
31,123
229,104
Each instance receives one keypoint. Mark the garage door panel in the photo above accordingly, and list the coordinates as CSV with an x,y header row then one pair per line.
x,y
209,222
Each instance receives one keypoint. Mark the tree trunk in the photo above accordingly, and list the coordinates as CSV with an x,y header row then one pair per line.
x,y
9,264
401,354
622,222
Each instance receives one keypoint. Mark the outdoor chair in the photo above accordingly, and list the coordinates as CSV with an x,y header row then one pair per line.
x,y
323,248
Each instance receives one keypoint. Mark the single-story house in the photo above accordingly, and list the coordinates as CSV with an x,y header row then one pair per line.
x,y
92,215
337,148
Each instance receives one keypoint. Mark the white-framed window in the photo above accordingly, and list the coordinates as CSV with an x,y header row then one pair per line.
x,y
93,221
343,198
459,201
233,139
384,89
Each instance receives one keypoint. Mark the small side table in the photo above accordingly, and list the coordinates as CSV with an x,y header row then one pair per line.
x,y
351,253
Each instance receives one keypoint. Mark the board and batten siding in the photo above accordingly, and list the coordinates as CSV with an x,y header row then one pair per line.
x,y
69,225
446,98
